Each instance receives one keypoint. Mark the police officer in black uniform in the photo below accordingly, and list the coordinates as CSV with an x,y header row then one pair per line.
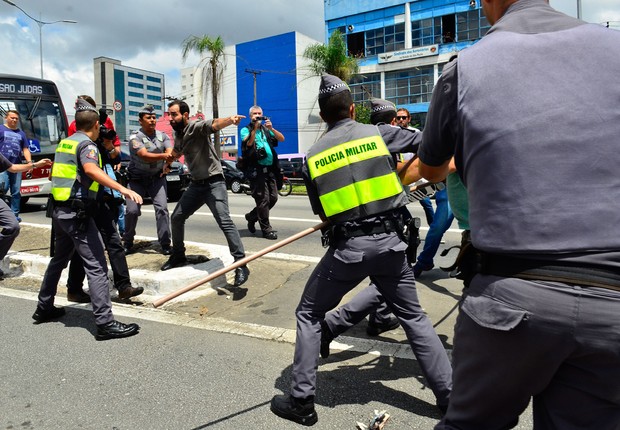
x,y
76,177
351,181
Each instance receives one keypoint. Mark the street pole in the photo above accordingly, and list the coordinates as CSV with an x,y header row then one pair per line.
x,y
253,72
578,9
40,23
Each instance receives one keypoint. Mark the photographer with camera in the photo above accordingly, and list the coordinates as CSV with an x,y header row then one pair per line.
x,y
106,221
259,139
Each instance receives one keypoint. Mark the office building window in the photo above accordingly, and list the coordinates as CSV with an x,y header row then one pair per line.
x,y
363,87
426,31
385,39
135,75
135,104
135,85
154,97
409,86
134,123
134,94
471,25
153,88
153,79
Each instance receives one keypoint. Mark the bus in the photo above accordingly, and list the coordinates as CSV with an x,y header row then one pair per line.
x,y
42,117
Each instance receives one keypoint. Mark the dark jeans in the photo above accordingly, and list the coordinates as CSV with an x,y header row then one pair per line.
x,y
265,193
212,193
105,222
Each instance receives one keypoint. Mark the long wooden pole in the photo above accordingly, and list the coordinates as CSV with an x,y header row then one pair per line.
x,y
157,303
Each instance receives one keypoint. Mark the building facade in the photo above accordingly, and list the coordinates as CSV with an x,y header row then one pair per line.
x,y
272,73
124,90
402,46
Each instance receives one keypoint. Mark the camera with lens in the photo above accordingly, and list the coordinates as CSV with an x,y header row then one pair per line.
x,y
260,118
261,154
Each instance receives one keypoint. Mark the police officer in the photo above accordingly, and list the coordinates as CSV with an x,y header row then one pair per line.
x,y
149,150
351,181
539,321
76,176
105,220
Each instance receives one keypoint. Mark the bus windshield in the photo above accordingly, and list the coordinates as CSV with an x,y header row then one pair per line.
x,y
41,120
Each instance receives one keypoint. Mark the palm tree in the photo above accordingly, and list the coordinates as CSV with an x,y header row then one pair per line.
x,y
332,58
212,69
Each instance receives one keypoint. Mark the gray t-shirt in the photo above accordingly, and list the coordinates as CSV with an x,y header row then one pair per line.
x,y
200,155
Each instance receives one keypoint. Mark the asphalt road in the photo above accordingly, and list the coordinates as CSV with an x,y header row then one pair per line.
x,y
291,215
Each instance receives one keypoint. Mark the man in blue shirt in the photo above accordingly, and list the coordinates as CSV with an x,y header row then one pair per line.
x,y
13,143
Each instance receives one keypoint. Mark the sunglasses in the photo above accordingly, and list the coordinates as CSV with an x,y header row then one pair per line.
x,y
402,117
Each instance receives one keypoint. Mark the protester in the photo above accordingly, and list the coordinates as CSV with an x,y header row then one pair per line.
x,y
13,146
76,177
193,139
534,132
259,140
364,238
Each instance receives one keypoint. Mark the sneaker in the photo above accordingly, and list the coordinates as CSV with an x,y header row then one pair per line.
x,y
116,330
78,297
19,219
418,269
129,292
375,329
291,408
326,338
41,316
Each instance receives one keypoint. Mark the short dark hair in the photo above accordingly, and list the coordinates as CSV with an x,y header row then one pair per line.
x,y
183,107
12,111
86,119
336,107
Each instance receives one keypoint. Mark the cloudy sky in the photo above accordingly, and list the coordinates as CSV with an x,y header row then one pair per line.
x,y
148,34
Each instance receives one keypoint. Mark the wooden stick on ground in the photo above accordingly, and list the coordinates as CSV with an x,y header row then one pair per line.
x,y
157,303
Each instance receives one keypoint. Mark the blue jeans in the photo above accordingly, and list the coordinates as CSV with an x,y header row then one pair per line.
x,y
429,213
12,182
441,222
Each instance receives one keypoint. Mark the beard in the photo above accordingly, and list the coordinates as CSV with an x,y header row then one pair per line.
x,y
178,127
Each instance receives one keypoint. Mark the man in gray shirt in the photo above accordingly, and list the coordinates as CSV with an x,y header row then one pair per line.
x,y
193,139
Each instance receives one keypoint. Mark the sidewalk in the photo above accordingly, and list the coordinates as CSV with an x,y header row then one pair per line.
x,y
263,307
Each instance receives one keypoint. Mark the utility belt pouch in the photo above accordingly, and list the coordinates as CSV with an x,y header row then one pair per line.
x,y
412,237
327,238
49,208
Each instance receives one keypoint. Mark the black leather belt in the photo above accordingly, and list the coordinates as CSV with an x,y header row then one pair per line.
x,y
209,180
556,271
384,226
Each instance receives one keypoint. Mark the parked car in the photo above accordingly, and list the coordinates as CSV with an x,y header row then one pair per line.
x,y
235,179
178,179
291,165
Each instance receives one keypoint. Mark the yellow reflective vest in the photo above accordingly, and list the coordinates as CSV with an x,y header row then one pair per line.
x,y
64,171
355,179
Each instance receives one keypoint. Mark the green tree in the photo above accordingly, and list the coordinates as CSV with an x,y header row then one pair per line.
x,y
212,69
332,58
362,113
